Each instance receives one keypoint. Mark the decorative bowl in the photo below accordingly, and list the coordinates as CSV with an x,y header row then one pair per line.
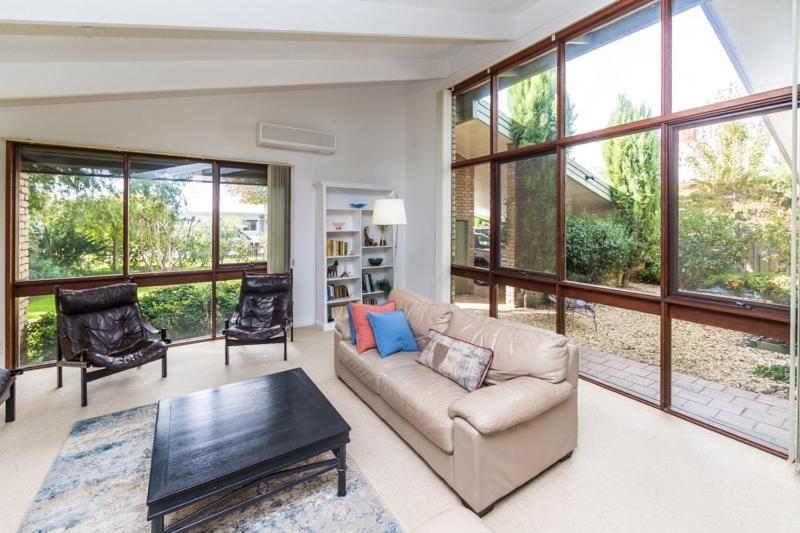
x,y
375,261
358,205
338,226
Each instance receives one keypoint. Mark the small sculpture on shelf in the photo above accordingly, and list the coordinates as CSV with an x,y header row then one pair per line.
x,y
368,241
345,274
333,269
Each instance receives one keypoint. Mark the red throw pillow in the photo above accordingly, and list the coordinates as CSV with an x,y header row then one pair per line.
x,y
365,338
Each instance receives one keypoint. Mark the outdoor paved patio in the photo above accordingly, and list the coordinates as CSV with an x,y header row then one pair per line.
x,y
759,415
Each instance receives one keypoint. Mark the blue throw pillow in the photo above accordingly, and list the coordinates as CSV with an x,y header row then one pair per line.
x,y
392,333
352,328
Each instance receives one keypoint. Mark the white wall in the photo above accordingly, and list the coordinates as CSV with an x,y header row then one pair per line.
x,y
369,122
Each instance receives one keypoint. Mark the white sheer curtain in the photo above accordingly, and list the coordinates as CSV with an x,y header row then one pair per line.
x,y
279,199
794,385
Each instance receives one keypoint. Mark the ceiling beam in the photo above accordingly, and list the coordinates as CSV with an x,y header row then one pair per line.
x,y
310,17
41,80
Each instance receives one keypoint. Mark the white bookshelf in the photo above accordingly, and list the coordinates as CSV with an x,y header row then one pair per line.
x,y
333,201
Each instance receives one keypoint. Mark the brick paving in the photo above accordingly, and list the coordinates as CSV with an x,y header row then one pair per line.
x,y
758,415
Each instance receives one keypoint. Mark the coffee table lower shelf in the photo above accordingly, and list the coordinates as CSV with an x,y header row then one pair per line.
x,y
218,509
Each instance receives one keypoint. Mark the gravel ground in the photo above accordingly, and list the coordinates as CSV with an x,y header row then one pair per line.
x,y
710,353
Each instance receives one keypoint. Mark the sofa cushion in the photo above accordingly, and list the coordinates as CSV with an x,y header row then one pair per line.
x,y
502,406
423,398
463,362
423,314
519,349
368,367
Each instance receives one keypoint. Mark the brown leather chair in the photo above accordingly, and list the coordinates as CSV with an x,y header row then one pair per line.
x,y
104,328
264,312
8,391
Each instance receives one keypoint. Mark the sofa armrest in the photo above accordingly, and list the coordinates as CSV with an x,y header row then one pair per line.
x,y
343,327
495,408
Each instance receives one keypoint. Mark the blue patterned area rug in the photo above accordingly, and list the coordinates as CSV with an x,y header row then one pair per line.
x,y
99,483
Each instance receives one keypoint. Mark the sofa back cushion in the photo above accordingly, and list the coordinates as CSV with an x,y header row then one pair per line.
x,y
423,314
519,350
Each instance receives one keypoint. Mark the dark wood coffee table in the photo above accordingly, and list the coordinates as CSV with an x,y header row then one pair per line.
x,y
223,441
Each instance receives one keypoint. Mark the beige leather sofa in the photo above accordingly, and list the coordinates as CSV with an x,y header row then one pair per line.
x,y
486,443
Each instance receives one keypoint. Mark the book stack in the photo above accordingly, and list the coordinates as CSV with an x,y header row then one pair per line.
x,y
334,247
338,291
371,301
367,283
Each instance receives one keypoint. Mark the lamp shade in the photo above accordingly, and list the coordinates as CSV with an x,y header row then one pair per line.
x,y
389,212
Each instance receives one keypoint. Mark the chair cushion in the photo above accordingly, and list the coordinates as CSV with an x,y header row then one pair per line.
x,y
277,285
392,333
365,338
256,310
244,333
423,398
142,352
464,363
368,367
6,379
519,349
106,331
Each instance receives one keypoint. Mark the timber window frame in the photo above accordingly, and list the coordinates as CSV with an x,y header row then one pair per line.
x,y
756,318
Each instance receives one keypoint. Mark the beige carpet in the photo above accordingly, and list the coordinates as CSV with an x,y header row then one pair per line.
x,y
635,469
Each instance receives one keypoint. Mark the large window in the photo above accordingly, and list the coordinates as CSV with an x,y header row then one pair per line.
x,y
69,207
471,237
722,49
527,106
626,182
243,214
529,224
471,123
734,199
170,214
611,66
613,198
70,211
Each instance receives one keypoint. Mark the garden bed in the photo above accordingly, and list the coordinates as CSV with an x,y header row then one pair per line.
x,y
714,354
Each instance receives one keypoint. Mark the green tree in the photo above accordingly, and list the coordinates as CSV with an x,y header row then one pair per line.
x,y
736,181
533,109
632,164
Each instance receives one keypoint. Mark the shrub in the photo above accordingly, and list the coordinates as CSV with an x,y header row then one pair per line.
x,y
774,288
185,310
651,273
227,298
707,247
39,339
775,372
597,249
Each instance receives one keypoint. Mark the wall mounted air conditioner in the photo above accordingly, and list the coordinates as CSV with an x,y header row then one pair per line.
x,y
289,138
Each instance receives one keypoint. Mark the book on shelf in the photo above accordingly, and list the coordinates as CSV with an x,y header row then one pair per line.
x,y
367,283
336,292
337,312
335,247
371,301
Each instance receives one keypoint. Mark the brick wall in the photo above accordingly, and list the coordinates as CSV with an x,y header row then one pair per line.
x,y
23,247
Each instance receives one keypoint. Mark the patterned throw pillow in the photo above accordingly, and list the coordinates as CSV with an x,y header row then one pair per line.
x,y
464,363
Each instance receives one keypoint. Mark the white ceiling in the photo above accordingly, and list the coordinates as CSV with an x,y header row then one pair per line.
x,y
81,48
